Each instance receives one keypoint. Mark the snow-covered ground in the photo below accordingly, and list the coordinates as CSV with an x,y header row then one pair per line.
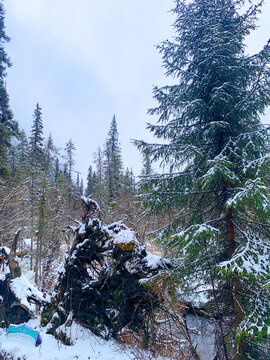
x,y
86,346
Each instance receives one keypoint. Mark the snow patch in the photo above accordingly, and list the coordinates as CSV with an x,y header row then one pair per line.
x,y
154,261
23,289
125,237
85,346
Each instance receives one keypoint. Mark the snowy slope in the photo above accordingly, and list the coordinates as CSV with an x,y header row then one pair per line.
x,y
86,346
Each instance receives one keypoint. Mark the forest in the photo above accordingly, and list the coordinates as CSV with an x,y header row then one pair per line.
x,y
173,263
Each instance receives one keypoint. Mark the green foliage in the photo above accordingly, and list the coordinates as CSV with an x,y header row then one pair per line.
x,y
36,139
216,151
8,126
113,162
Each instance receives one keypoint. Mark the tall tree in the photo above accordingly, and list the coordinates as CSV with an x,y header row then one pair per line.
x,y
50,152
217,154
147,165
43,221
23,155
70,149
90,186
36,138
36,177
99,176
113,161
7,124
57,169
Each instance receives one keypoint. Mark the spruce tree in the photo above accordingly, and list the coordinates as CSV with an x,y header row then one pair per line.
x,y
147,166
36,160
49,158
23,153
57,169
69,149
18,161
113,162
128,181
36,139
90,182
81,187
78,191
99,176
217,154
8,126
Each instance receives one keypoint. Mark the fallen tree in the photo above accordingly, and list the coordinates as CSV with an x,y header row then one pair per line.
x,y
101,284
18,297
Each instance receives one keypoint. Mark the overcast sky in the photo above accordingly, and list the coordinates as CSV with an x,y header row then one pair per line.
x,y
85,60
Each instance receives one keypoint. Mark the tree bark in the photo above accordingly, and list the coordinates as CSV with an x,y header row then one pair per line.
x,y
14,266
235,281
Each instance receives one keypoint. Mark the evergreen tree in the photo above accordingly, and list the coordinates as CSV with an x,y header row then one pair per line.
x,y
147,166
41,225
36,138
12,161
78,191
99,176
8,126
78,180
69,149
81,187
23,153
36,176
49,157
18,152
113,162
217,153
90,182
57,169
128,181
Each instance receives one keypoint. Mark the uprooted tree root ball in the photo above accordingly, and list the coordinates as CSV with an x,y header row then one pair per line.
x,y
102,285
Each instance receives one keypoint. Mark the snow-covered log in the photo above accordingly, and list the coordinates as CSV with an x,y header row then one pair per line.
x,y
18,297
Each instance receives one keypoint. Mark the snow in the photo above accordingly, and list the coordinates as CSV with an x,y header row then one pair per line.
x,y
6,249
89,201
125,237
82,230
253,257
23,289
85,346
78,246
152,261
115,227
198,295
155,261
27,242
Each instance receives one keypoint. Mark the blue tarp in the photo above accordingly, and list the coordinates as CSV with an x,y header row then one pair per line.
x,y
27,330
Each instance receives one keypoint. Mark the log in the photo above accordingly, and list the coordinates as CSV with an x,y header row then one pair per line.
x,y
15,269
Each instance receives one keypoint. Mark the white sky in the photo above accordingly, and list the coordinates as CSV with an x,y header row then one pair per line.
x,y
85,60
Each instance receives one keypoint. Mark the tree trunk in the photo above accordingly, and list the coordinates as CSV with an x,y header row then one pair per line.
x,y
235,281
14,266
